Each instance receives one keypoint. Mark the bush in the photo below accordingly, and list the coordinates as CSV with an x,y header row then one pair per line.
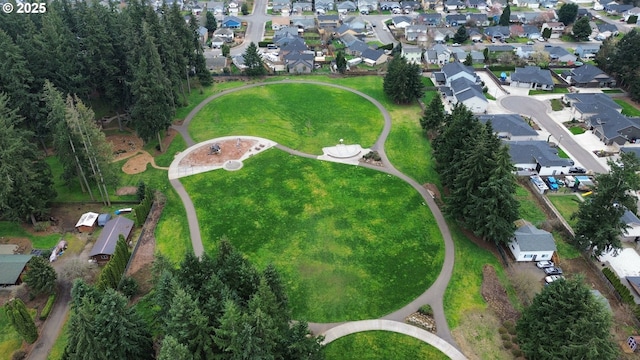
x,y
140,192
263,44
41,226
622,290
372,155
516,352
426,310
502,330
47,307
19,355
507,345
505,337
128,286
510,326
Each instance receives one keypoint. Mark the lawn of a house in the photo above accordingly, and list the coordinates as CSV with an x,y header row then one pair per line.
x,y
381,345
627,109
529,209
562,154
556,90
13,229
577,130
566,205
556,105
345,246
612,91
288,114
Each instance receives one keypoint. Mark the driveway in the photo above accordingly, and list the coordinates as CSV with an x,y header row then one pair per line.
x,y
538,111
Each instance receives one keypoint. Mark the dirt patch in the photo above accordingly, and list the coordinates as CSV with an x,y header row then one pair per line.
x,y
229,150
127,190
124,144
24,244
137,164
496,296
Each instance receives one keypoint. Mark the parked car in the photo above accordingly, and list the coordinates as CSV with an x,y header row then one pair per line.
x,y
551,278
553,185
529,42
544,264
552,270
577,170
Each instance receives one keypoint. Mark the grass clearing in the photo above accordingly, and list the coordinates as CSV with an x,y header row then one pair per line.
x,y
566,205
627,109
381,345
13,229
529,209
288,114
577,130
556,105
198,95
478,334
177,145
326,227
566,251
10,341
427,82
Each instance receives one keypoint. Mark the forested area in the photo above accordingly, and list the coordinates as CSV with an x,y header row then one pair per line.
x,y
476,169
619,57
134,61
218,307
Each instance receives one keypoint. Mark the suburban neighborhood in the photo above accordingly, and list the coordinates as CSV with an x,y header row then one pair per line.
x,y
319,180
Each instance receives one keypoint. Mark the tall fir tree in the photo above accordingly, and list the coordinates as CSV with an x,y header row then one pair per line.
x,y
403,81
21,321
505,17
253,61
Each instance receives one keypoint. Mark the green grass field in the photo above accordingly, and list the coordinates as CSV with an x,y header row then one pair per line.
x,y
567,205
556,90
12,229
346,245
381,345
177,145
556,105
10,341
529,209
627,109
301,116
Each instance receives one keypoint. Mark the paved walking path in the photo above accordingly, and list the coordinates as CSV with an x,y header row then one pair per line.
x,y
433,295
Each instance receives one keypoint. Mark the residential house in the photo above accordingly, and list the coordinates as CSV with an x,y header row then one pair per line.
x,y
613,8
532,244
455,19
367,5
531,31
452,5
203,35
326,5
373,57
299,62
477,57
632,231
516,30
389,5
613,128
475,34
459,54
217,42
442,55
538,156
105,246
560,54
525,51
557,29
401,22
500,48
587,51
215,7
413,54
588,76
87,222
346,6
285,36
196,10
300,7
238,61
328,22
12,269
429,19
355,23
417,33
477,4
631,149
233,8
477,20
296,45
531,4
431,56
280,22
225,34
354,46
469,94
532,77
606,30
586,105
303,23
456,70
497,33
510,127
281,7
231,22
409,6
631,12
440,35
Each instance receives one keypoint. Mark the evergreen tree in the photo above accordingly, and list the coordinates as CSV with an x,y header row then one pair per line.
x,y
341,62
227,335
152,109
244,9
485,53
21,321
40,276
582,29
566,321
433,118
546,33
111,274
468,61
568,13
236,272
403,82
173,350
189,326
505,17
226,50
212,24
15,77
253,61
198,62
461,35
165,290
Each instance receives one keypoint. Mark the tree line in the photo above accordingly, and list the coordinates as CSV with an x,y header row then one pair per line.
x,y
211,307
618,57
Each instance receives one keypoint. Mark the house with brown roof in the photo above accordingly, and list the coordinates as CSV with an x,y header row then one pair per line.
x,y
105,246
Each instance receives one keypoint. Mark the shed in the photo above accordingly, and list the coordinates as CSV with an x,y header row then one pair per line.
x,y
105,246
12,268
532,244
87,222
103,218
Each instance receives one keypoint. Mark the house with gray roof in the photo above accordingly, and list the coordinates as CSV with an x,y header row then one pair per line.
x,y
401,22
373,57
356,23
456,70
477,4
632,231
439,34
105,246
477,20
560,54
389,5
532,77
303,22
531,31
285,35
538,156
587,51
300,7
12,269
299,62
456,19
532,244
477,57
416,33
613,128
468,93
346,6
429,19
588,76
413,54
510,127
614,8
367,5
586,105
328,21
326,5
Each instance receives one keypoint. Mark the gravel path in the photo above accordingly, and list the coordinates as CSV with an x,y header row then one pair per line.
x,y
433,295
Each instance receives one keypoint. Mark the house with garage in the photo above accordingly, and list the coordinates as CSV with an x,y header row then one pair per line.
x,y
537,156
589,104
532,77
285,36
557,29
401,22
613,128
295,45
231,22
532,244
355,47
632,231
614,8
452,5
299,62
12,269
631,12
280,22
303,23
87,222
299,7
531,31
606,31
281,7
413,54
455,19
468,93
588,76
477,20
439,35
346,7
477,4
416,33
510,127
560,54
328,22
497,33
525,51
389,5
356,23
475,35
215,7
373,57
587,51
105,246
433,20
325,5
367,5
456,70
531,4
225,34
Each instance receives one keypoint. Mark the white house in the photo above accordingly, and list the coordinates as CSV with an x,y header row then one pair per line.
x,y
412,54
632,232
532,244
537,156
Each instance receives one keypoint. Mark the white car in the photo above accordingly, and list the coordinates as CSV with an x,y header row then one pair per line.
x,y
552,278
544,264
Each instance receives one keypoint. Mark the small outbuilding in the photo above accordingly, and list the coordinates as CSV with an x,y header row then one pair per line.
x,y
103,218
87,222
105,246
532,244
12,269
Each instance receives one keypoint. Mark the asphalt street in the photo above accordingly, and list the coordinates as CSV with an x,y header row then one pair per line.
x,y
538,111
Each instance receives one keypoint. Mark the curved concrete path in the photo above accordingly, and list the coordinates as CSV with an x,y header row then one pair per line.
x,y
433,296
393,326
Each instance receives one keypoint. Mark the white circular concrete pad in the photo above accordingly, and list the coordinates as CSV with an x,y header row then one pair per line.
x,y
232,165
343,151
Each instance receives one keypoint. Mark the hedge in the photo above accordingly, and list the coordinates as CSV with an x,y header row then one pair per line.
x,y
47,307
264,44
623,291
141,211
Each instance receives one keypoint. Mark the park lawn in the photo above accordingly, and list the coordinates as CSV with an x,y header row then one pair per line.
x,y
381,345
566,205
177,145
14,229
301,116
61,342
198,95
577,130
627,109
346,247
529,209
10,341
